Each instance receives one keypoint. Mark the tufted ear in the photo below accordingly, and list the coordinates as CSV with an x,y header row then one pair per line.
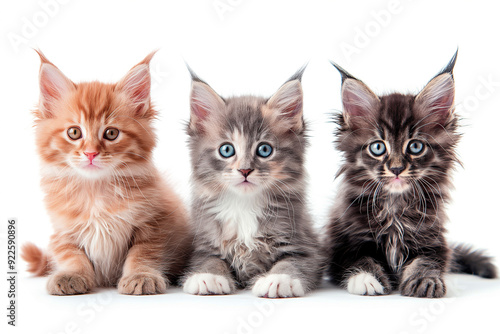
x,y
53,86
137,85
286,105
360,104
204,101
435,102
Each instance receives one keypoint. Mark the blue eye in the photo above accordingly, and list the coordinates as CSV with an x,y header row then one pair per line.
x,y
264,150
415,147
226,150
377,148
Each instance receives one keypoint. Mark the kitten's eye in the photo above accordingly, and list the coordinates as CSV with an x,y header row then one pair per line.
x,y
111,134
415,147
226,150
74,133
377,148
264,150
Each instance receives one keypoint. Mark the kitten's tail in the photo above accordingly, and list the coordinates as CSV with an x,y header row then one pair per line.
x,y
38,261
467,260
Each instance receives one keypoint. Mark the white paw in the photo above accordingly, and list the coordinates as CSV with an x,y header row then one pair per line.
x,y
207,284
278,286
364,284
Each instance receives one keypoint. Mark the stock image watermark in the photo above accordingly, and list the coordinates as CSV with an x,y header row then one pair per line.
x,y
86,312
223,7
487,86
263,309
422,319
31,25
158,76
370,30
12,272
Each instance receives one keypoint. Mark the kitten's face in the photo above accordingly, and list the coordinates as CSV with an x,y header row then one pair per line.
x,y
401,152
398,143
246,145
94,130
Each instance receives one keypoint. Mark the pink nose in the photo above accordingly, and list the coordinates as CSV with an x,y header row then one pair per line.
x,y
245,172
91,155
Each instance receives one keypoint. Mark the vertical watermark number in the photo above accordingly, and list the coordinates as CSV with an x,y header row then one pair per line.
x,y
12,271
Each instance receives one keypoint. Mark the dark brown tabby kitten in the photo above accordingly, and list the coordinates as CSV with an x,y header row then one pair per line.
x,y
387,226
252,227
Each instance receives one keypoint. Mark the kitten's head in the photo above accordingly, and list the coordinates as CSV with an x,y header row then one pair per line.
x,y
247,144
92,129
398,143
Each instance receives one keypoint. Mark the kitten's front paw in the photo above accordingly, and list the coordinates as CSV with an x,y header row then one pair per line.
x,y
142,284
208,284
278,286
365,283
68,283
427,287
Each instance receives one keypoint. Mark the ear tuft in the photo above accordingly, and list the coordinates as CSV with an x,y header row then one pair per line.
x,y
53,86
43,59
450,66
343,73
298,75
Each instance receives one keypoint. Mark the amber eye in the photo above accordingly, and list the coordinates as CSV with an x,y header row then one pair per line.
x,y
111,134
74,133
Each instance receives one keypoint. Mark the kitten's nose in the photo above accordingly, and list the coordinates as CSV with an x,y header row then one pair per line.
x,y
245,172
396,170
91,155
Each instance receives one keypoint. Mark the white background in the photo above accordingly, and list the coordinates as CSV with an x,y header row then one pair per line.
x,y
253,46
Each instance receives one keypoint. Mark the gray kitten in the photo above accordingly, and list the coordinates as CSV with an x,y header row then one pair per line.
x,y
249,214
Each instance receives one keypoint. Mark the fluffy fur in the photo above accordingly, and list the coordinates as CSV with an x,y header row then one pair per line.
x,y
387,225
116,223
252,227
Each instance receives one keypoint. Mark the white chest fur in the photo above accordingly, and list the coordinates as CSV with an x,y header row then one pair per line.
x,y
239,216
105,239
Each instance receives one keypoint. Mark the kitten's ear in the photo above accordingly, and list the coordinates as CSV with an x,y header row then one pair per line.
x,y
435,101
204,101
359,102
287,103
53,86
137,85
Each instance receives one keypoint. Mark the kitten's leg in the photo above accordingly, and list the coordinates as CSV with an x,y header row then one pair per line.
x,y
423,277
355,267
160,252
366,277
210,275
142,273
74,273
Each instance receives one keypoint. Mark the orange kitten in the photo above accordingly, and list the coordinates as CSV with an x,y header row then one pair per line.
x,y
115,221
